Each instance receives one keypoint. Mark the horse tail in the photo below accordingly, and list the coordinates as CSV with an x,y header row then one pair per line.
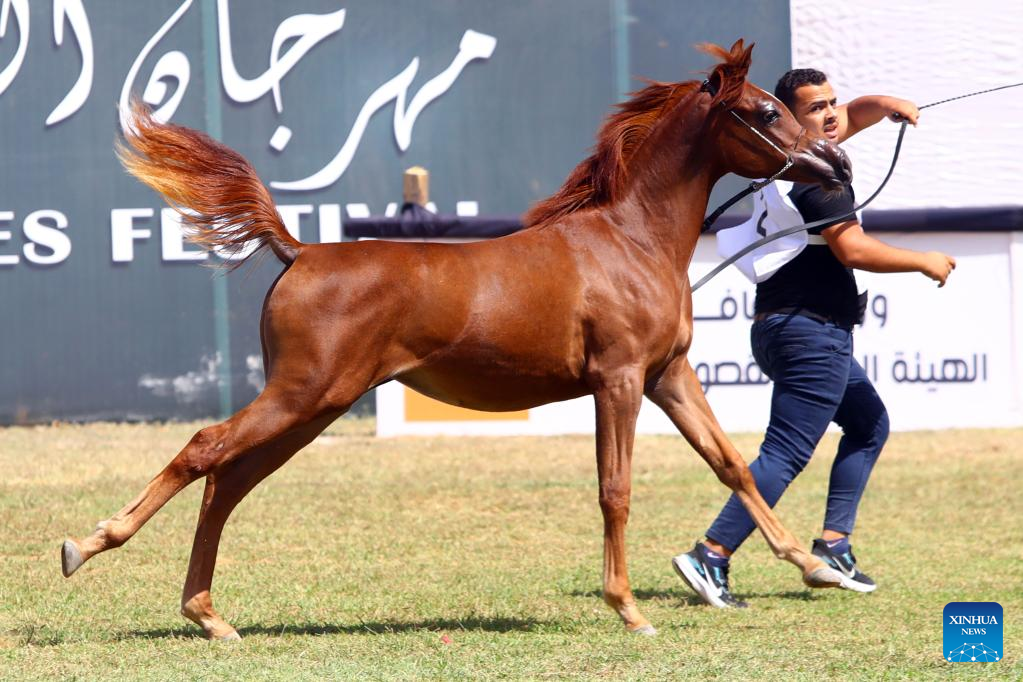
x,y
216,191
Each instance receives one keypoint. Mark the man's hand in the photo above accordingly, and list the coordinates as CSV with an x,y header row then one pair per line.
x,y
937,266
898,109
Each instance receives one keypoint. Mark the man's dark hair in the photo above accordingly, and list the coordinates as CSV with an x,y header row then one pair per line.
x,y
787,85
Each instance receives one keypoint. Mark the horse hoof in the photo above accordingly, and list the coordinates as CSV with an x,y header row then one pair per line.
x,y
232,636
648,630
70,558
822,577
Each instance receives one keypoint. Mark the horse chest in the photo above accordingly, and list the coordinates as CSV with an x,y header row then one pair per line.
x,y
650,331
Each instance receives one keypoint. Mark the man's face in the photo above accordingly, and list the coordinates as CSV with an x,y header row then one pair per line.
x,y
814,108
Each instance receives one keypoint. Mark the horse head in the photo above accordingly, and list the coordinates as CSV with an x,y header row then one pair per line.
x,y
755,135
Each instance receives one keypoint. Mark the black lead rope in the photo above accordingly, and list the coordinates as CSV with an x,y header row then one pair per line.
x,y
757,185
979,92
808,226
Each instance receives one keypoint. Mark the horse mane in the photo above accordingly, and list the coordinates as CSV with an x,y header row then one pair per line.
x,y
601,178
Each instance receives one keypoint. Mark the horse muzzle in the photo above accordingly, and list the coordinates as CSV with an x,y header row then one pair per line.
x,y
828,162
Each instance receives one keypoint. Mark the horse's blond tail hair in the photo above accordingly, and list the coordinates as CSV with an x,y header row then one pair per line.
x,y
216,191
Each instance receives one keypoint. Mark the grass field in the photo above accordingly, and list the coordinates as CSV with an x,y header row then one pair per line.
x,y
435,558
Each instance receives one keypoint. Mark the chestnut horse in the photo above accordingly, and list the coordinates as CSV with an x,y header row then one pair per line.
x,y
592,298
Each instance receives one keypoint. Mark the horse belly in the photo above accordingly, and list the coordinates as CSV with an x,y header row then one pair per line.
x,y
492,387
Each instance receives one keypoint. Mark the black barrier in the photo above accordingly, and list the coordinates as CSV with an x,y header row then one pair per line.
x,y
975,219
416,221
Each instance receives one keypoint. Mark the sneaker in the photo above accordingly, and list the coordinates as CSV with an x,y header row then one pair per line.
x,y
845,564
710,582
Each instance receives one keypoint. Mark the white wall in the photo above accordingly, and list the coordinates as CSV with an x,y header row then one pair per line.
x,y
964,153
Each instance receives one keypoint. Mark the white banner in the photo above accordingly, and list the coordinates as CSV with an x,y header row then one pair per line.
x,y
940,358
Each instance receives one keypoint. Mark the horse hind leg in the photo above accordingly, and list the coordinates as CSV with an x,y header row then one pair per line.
x,y
225,488
267,417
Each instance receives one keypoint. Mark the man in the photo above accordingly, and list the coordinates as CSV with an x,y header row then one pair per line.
x,y
802,339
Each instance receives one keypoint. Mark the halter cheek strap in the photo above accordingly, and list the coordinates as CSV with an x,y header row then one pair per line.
x,y
756,185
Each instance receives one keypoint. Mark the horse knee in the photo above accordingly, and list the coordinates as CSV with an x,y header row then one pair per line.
x,y
614,502
735,474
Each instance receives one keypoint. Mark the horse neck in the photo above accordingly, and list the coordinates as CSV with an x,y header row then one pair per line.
x,y
666,197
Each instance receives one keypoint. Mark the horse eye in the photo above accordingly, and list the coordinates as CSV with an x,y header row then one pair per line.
x,y
771,116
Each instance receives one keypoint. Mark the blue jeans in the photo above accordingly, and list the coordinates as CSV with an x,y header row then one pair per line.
x,y
816,381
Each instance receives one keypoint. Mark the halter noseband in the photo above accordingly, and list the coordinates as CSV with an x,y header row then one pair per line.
x,y
756,185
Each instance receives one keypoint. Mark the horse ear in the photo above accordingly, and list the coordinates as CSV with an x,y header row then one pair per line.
x,y
728,78
741,57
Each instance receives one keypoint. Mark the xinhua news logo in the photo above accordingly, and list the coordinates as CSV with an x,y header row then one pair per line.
x,y
972,632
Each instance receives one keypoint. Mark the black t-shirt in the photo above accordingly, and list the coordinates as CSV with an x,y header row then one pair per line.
x,y
814,280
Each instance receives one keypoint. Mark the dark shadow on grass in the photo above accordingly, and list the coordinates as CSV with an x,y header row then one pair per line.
x,y
365,628
692,600
389,627
795,595
637,593
183,632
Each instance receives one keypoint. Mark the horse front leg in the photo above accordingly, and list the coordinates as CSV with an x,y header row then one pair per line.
x,y
677,391
618,400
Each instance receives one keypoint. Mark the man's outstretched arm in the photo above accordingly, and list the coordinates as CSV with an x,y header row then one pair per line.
x,y
863,112
856,249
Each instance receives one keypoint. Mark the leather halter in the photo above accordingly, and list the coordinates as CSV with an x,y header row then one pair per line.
x,y
756,185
